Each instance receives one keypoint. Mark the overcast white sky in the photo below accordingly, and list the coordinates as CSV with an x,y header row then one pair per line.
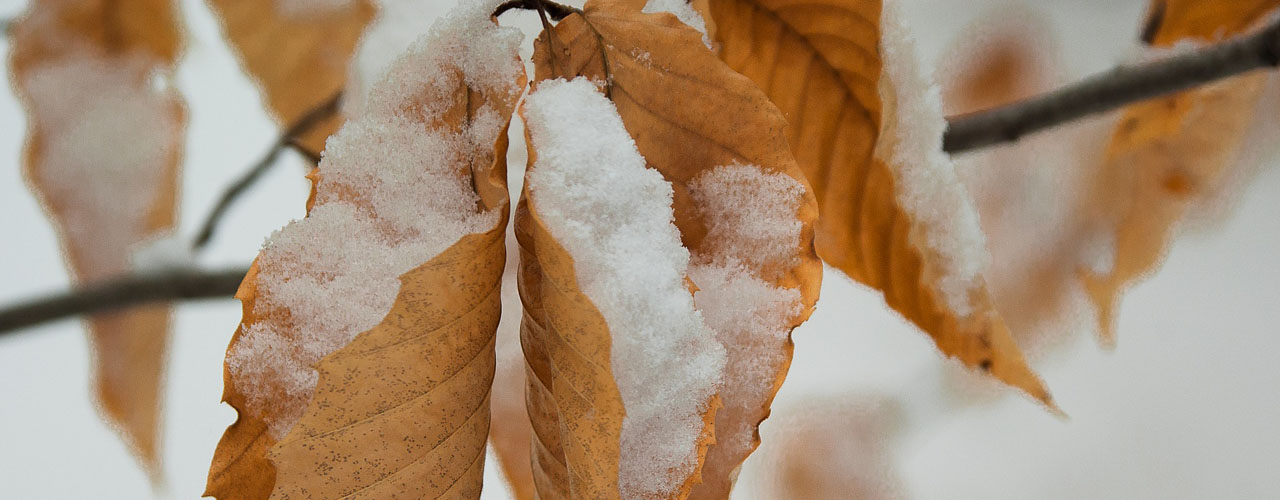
x,y
1185,408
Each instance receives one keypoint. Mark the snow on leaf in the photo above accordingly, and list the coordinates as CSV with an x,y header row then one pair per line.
x,y
632,361
297,50
102,154
866,129
363,362
739,201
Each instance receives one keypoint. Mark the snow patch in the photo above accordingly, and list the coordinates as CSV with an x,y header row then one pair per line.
x,y
397,25
614,216
752,226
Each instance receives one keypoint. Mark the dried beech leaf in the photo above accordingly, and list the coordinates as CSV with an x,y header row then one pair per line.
x,y
574,405
1168,153
297,51
102,154
510,433
402,409
675,99
821,64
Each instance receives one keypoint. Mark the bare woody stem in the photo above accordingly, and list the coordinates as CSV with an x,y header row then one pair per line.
x,y
124,292
1113,89
287,139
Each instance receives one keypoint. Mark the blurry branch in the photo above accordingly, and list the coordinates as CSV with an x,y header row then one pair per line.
x,y
123,292
287,139
1113,89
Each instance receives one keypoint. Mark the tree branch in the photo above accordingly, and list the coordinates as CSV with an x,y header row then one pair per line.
x,y
124,292
1099,93
1113,89
287,139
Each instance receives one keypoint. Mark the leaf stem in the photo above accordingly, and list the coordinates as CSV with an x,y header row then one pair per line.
x,y
1113,89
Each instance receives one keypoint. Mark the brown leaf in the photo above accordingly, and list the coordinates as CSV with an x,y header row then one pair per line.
x,y
510,432
574,405
631,385
102,154
822,65
1168,153
402,409
415,426
688,114
298,58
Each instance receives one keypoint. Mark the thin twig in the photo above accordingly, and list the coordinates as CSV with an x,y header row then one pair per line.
x,y
1113,89
185,284
287,139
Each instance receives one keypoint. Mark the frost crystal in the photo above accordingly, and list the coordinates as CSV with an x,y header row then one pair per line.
x,y
390,197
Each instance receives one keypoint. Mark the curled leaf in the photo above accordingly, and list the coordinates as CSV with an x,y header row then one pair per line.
x,y
865,131
675,98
